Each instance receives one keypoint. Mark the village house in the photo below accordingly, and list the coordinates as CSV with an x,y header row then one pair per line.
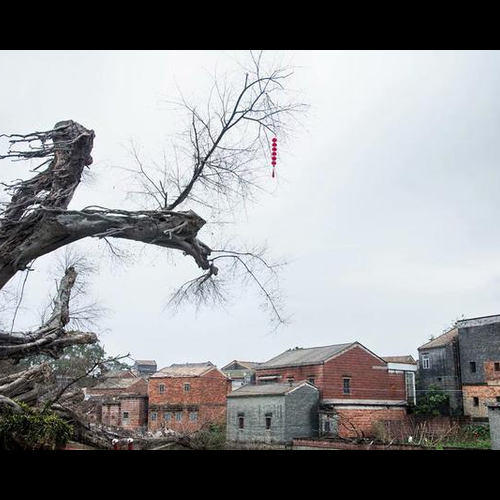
x,y
479,343
272,414
464,363
187,397
240,373
439,368
145,367
356,387
119,400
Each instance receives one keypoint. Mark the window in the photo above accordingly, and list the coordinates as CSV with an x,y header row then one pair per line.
x,y
241,422
473,367
476,402
154,416
187,387
269,421
312,380
290,379
168,416
126,415
347,386
426,362
193,416
498,399
497,367
162,388
178,416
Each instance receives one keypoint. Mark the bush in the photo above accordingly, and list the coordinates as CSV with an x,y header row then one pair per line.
x,y
32,429
213,437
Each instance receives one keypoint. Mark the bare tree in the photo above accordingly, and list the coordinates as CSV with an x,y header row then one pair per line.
x,y
216,163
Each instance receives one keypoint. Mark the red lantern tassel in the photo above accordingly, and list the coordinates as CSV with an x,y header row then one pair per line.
x,y
274,172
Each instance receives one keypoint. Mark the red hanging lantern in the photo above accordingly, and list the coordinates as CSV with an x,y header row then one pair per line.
x,y
274,155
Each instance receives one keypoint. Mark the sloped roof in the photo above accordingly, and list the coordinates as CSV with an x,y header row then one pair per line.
x,y
305,357
184,370
267,390
116,383
250,365
404,360
442,340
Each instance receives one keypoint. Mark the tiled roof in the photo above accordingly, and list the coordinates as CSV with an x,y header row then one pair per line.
x,y
267,390
116,383
304,357
442,340
184,370
404,360
147,362
249,365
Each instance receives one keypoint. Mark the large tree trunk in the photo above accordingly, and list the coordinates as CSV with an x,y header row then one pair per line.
x,y
37,220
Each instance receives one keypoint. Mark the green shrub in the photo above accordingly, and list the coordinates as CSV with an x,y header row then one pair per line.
x,y
32,429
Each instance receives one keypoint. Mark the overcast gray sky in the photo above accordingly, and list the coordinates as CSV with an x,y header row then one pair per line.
x,y
387,207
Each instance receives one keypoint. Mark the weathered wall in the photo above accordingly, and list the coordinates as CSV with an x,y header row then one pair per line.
x,y
480,344
111,414
254,410
361,422
494,416
444,372
301,415
487,394
137,410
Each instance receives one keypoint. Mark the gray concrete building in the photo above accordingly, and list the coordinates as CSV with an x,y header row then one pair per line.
x,y
439,366
272,414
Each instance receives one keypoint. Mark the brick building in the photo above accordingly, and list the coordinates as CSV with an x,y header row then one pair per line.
x,y
120,400
357,388
465,364
187,397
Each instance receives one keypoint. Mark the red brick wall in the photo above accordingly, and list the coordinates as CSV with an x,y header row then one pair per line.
x,y
207,395
136,407
367,382
359,423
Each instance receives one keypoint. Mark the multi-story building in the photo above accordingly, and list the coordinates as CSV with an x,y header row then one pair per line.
x,y
356,387
464,363
187,397
479,345
119,400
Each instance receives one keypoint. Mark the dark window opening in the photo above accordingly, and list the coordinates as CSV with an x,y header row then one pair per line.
x,y
241,421
269,421
473,367
162,388
187,387
347,386
497,367
312,380
126,415
498,399
476,402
